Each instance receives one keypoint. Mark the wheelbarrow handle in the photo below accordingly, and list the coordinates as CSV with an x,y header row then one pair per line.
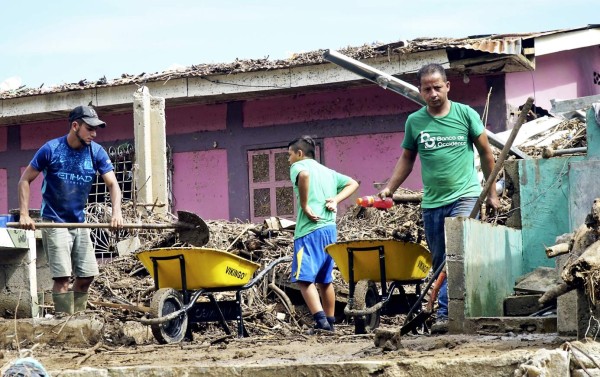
x,y
259,276
104,225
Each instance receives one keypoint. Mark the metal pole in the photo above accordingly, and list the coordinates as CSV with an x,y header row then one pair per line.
x,y
387,81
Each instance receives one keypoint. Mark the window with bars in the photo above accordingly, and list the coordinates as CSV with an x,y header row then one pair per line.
x,y
271,191
105,240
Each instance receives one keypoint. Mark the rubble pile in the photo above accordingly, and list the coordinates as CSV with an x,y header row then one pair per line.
x,y
127,286
570,133
124,284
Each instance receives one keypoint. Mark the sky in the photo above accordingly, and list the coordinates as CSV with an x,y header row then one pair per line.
x,y
64,41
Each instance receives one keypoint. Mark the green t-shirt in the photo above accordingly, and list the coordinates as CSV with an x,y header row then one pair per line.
x,y
445,147
324,183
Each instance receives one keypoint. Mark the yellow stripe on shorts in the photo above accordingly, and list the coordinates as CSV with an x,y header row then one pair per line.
x,y
299,261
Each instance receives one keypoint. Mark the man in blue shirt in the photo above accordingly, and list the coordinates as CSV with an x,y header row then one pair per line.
x,y
69,164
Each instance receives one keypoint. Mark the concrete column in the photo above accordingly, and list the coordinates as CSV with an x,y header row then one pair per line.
x,y
150,149
18,273
455,268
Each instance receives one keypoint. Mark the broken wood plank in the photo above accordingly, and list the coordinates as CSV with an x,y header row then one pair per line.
x,y
558,249
138,308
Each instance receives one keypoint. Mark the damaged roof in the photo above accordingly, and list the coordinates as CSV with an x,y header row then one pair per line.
x,y
474,54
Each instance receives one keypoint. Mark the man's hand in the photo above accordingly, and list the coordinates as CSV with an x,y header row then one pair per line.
x,y
26,222
386,192
331,204
492,203
310,214
116,222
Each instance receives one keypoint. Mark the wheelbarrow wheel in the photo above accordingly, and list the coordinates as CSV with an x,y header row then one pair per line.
x,y
365,296
166,301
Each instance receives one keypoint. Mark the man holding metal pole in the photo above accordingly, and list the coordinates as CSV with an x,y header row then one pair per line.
x,y
443,134
69,164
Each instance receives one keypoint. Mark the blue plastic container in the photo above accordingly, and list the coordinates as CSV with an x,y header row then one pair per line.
x,y
6,219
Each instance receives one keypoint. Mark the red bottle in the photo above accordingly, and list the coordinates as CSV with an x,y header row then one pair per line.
x,y
375,201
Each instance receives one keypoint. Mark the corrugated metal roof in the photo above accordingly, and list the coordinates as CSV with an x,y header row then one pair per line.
x,y
503,44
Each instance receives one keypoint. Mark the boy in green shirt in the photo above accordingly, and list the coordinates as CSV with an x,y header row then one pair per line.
x,y
319,190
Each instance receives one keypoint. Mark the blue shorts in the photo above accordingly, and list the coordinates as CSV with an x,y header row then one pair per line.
x,y
311,262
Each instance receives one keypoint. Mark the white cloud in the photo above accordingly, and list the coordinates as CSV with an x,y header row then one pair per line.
x,y
10,83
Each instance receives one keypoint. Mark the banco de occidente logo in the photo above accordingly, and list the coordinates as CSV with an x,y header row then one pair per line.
x,y
433,142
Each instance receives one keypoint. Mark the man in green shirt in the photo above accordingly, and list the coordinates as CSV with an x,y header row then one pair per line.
x,y
443,134
319,190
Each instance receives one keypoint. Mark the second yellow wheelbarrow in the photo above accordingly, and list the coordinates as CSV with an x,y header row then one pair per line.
x,y
183,274
392,263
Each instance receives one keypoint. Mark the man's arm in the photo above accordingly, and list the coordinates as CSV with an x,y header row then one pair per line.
x,y
486,159
24,190
303,184
349,188
403,168
112,185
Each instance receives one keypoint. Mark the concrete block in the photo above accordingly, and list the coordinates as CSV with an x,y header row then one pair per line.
x,y
128,246
521,305
566,314
17,278
137,333
454,229
539,280
587,317
456,278
456,314
516,325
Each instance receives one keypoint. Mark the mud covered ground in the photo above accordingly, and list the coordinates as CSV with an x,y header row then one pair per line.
x,y
293,349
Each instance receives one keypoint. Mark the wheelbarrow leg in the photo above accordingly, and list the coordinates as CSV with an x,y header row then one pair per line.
x,y
222,321
240,319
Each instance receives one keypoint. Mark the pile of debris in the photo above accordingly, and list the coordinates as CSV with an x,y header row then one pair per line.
x,y
124,287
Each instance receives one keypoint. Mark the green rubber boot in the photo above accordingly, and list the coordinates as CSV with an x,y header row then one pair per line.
x,y
80,301
63,302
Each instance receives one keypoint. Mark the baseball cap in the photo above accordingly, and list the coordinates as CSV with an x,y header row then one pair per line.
x,y
88,115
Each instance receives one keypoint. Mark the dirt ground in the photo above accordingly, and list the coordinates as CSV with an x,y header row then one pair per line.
x,y
285,349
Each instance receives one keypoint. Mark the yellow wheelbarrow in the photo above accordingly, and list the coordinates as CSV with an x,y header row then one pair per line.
x,y
183,274
392,263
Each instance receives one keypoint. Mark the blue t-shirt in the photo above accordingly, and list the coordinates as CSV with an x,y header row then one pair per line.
x,y
68,177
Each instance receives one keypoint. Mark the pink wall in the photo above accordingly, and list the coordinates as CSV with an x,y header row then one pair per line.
x,y
353,102
182,120
564,75
320,106
368,159
200,183
34,135
35,191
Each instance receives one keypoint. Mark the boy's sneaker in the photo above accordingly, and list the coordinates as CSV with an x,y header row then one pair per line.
x,y
320,327
440,326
